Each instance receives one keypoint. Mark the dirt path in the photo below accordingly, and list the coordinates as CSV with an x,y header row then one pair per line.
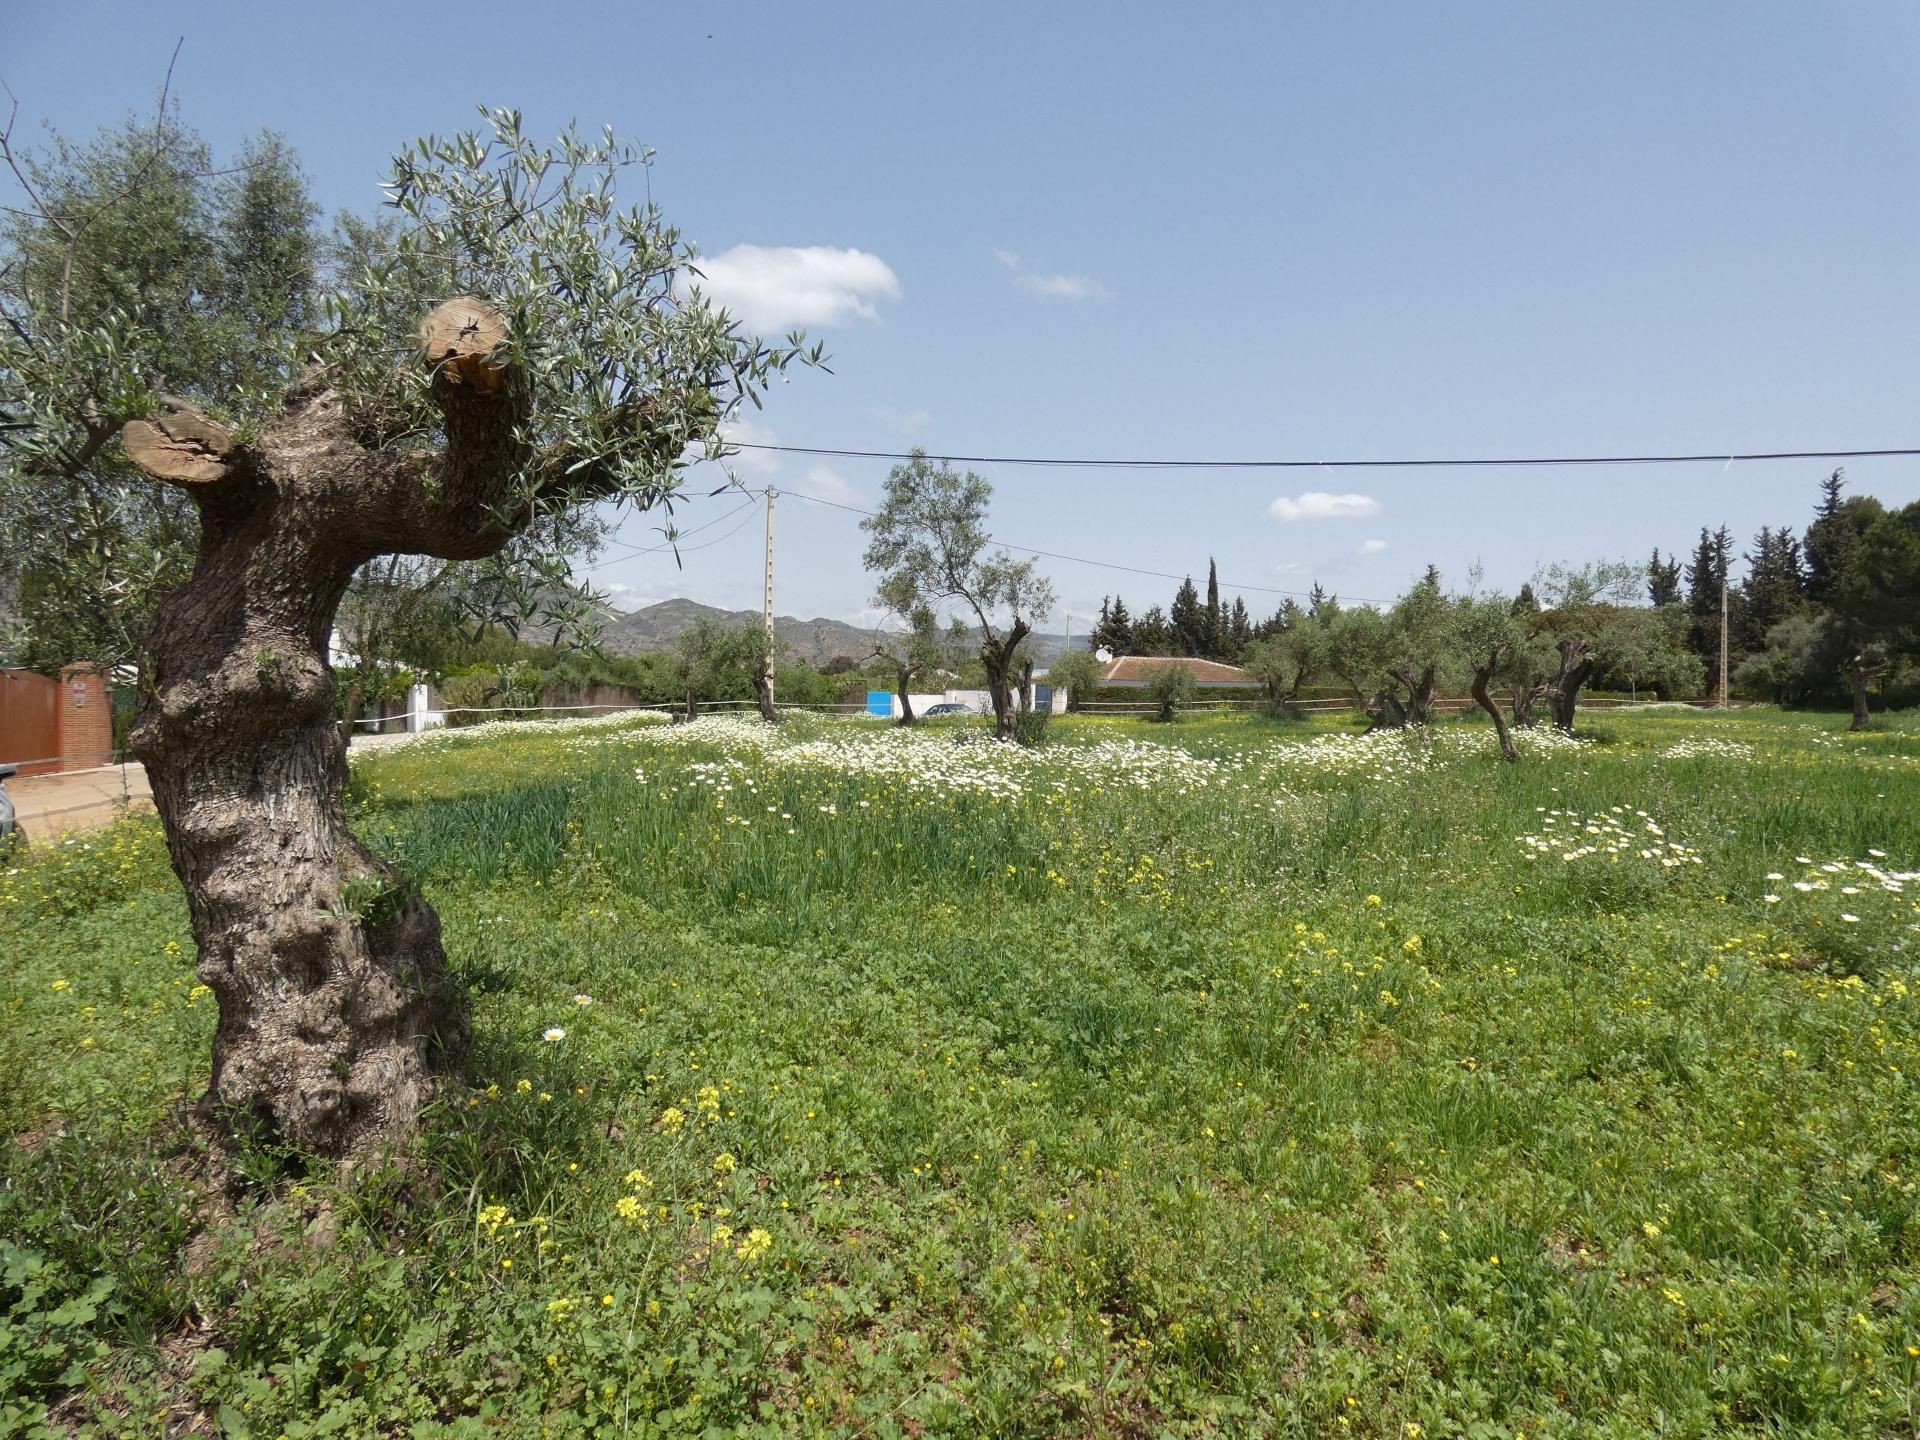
x,y
48,806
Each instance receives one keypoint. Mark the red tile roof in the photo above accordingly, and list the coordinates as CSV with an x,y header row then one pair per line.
x,y
1138,669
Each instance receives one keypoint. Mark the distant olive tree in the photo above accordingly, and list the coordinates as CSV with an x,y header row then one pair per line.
x,y
1076,673
1171,688
929,546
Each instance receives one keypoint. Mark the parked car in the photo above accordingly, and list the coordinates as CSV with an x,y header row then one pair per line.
x,y
10,832
950,710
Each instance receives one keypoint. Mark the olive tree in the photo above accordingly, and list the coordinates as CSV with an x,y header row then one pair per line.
x,y
1077,673
929,545
1171,688
1396,661
526,347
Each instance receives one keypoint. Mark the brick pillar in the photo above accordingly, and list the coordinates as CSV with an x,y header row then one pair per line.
x,y
86,718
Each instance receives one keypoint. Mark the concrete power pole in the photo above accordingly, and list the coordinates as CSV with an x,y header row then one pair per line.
x,y
766,593
1723,642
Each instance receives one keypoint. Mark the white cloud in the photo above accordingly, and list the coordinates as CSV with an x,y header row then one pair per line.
x,y
827,482
627,598
907,422
1319,505
1063,287
773,288
1054,286
1371,547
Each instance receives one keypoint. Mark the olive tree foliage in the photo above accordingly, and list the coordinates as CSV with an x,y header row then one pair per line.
x,y
709,660
137,267
1171,688
1285,658
524,347
1644,648
929,546
1076,673
1396,660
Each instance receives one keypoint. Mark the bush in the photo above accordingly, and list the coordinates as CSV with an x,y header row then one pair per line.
x,y
466,692
1030,728
1171,689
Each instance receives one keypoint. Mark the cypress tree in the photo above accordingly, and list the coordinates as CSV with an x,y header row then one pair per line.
x,y
1213,637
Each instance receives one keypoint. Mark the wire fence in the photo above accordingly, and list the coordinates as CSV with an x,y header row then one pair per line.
x,y
673,707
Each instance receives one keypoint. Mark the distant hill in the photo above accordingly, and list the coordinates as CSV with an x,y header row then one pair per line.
x,y
816,641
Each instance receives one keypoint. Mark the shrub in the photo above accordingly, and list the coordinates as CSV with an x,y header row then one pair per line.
x,y
1171,689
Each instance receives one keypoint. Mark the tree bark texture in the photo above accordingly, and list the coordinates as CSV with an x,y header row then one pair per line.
x,y
1525,697
903,687
1859,672
997,656
336,1010
1481,675
763,693
1576,664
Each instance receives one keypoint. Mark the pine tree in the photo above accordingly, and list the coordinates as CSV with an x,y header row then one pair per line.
x,y
1431,580
1663,579
1239,632
1832,536
1152,635
1187,619
1102,628
1213,636
1317,601
1705,578
1774,587
1526,602
1120,639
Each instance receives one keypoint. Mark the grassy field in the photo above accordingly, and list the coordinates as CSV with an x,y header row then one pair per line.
x,y
1227,1078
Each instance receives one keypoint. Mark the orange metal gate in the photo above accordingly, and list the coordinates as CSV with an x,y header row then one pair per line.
x,y
29,721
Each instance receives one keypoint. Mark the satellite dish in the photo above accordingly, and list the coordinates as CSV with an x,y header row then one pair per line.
x,y
1103,654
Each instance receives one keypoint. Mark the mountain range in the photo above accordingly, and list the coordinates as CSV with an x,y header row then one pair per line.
x,y
816,641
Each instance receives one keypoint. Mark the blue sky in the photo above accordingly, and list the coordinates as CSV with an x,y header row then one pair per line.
x,y
1191,231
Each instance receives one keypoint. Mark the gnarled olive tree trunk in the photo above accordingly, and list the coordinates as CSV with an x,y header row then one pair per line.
x,y
1524,697
1859,672
1482,673
997,656
763,691
1576,664
336,1011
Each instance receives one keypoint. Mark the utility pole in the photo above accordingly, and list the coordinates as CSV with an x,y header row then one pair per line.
x,y
766,593
1723,641
764,680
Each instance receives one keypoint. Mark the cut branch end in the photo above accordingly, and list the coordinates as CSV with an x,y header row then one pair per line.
x,y
461,339
182,448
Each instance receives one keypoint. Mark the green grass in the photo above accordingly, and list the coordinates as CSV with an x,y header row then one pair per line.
x,y
1248,1080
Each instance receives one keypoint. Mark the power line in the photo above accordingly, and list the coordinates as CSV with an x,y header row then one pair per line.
x,y
1484,462
1100,564
633,553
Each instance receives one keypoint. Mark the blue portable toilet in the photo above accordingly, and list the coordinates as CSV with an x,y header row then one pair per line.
x,y
880,703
